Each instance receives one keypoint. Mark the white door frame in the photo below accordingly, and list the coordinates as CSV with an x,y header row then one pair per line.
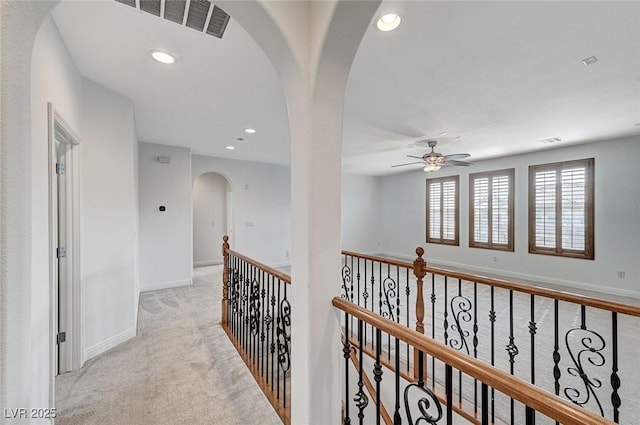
x,y
60,130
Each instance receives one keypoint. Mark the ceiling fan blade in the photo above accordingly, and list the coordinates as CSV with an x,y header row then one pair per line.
x,y
411,156
454,162
456,156
409,163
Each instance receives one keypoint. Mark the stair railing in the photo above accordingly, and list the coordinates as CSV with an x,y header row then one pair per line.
x,y
415,402
256,315
565,343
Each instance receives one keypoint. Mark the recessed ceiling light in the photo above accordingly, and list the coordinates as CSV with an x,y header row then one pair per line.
x,y
589,61
249,130
230,147
163,57
444,133
388,22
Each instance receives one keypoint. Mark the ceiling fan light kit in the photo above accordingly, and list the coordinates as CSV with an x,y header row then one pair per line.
x,y
433,161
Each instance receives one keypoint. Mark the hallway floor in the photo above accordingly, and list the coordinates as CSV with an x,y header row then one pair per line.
x,y
179,369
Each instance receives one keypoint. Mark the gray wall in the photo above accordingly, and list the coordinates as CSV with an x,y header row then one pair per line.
x,y
617,220
166,257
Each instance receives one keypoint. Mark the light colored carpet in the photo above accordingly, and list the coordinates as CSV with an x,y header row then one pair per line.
x,y
179,369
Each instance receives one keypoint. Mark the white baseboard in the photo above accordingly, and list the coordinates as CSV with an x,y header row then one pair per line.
x,y
164,285
109,343
207,263
524,276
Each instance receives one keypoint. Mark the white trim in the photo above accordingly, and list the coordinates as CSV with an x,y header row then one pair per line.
x,y
75,312
109,343
543,280
208,263
164,285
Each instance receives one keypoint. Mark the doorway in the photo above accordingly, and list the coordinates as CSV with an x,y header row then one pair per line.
x,y
64,267
210,218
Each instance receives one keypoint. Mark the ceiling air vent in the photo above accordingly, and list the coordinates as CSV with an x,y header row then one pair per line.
x,y
131,3
218,22
150,6
174,10
550,141
198,11
199,15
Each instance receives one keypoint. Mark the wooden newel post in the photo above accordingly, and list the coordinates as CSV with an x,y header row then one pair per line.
x,y
419,272
225,278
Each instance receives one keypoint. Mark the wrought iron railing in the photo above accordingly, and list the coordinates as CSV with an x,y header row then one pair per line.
x,y
415,401
256,315
571,345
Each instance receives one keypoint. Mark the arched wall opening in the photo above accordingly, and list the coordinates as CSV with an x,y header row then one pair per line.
x,y
312,65
211,217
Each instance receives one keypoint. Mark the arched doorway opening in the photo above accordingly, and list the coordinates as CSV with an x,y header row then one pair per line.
x,y
211,217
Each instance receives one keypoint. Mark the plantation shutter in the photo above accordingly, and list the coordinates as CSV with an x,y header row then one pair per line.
x,y
562,197
500,210
442,210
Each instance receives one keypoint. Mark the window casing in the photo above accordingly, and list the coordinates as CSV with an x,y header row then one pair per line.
x,y
443,210
561,203
491,210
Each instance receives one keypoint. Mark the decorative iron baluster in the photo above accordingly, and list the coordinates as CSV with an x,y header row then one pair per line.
x,y
265,308
268,321
512,348
377,373
358,279
433,326
346,279
460,309
272,348
533,327
556,349
615,379
346,353
446,313
531,414
389,286
475,343
396,416
361,398
429,401
590,349
425,403
254,307
485,404
492,320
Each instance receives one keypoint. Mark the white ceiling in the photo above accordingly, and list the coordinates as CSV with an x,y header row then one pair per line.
x,y
496,76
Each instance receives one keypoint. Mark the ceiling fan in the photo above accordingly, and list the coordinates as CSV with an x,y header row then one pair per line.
x,y
433,161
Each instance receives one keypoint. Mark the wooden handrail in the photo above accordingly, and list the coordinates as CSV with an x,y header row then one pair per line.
x,y
537,290
277,273
540,400
382,260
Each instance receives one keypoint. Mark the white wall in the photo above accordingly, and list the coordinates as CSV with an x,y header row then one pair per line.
x,y
108,218
104,121
55,79
260,204
617,220
166,258
360,213
209,218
